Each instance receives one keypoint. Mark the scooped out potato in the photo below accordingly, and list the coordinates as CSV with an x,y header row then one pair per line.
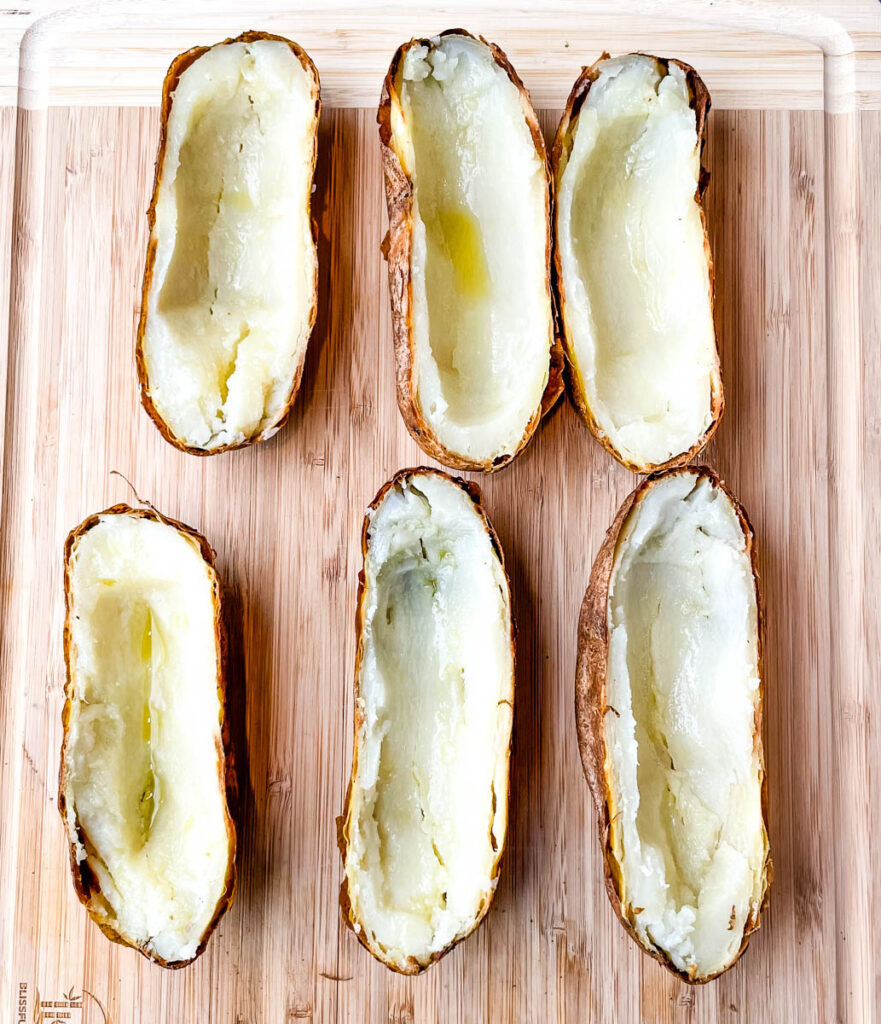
x,y
669,713
634,270
145,768
426,813
469,252
230,284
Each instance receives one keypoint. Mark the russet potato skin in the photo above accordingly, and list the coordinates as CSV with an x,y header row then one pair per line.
x,y
414,966
396,248
178,66
590,709
700,103
84,881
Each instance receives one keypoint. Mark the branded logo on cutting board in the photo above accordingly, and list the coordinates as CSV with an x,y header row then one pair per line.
x,y
71,1007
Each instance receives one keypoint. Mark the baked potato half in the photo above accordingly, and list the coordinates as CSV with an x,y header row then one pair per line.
x,y
424,825
469,251
231,277
146,772
669,715
633,264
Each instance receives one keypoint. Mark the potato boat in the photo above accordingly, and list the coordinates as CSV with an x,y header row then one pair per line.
x,y
145,763
633,263
669,715
424,825
469,251
231,277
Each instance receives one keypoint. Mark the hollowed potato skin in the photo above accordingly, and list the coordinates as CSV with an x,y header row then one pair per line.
x,y
700,103
590,708
396,248
84,881
343,821
178,66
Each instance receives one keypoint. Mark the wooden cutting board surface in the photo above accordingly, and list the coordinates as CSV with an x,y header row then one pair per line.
x,y
794,212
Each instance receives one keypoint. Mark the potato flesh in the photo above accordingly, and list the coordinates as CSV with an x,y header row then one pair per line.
x,y
144,732
687,827
429,799
481,304
636,286
233,287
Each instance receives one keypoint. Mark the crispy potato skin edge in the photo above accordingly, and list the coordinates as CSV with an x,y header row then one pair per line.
x,y
178,66
397,250
590,707
700,103
344,822
83,881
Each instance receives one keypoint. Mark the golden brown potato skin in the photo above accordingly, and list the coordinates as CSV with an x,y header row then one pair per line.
x,y
84,882
343,822
178,66
590,706
700,103
396,249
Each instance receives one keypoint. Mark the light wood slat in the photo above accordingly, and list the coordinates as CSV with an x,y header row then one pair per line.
x,y
753,53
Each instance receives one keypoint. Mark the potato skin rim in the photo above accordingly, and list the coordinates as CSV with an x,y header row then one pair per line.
x,y
590,707
177,67
559,157
396,248
83,884
343,822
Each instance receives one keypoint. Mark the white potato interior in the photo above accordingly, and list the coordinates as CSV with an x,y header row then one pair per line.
x,y
635,274
144,732
481,313
233,283
681,751
429,799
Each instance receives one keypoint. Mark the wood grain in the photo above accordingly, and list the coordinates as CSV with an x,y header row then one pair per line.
x,y
870,326
285,519
751,53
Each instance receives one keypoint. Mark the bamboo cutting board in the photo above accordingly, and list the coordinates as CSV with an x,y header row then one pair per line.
x,y
794,209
